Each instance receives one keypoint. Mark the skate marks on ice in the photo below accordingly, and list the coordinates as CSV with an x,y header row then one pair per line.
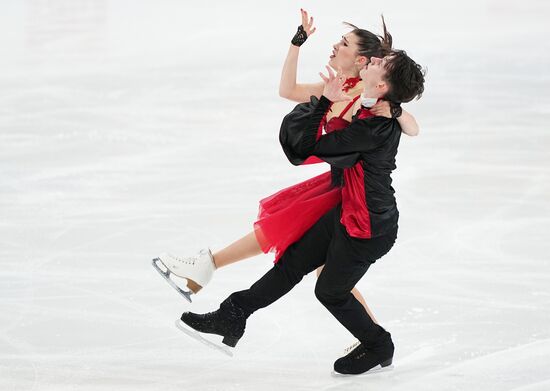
x,y
196,335
166,275
521,368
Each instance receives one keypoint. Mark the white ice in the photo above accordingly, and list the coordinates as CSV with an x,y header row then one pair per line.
x,y
129,128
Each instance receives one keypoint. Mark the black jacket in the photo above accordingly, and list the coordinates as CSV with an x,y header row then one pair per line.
x,y
371,142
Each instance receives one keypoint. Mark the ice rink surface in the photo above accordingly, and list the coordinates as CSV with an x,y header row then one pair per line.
x,y
132,128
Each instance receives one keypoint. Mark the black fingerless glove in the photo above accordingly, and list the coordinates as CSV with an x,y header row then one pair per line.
x,y
300,37
396,110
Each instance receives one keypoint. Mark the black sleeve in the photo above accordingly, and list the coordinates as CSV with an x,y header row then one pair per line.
x,y
360,136
292,128
342,149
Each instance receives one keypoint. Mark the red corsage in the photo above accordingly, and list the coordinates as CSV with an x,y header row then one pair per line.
x,y
364,113
350,83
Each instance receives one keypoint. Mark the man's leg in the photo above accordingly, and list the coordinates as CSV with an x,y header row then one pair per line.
x,y
347,261
298,260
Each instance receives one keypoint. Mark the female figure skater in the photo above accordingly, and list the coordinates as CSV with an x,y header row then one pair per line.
x,y
285,216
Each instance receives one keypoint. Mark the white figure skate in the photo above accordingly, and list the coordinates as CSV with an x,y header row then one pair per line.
x,y
197,270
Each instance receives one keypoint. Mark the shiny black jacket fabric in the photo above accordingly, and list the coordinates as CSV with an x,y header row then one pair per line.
x,y
372,142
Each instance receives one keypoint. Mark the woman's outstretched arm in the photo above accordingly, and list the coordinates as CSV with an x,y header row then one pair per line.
x,y
288,88
408,124
406,120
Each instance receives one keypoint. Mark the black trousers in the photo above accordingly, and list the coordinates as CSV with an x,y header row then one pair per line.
x,y
346,260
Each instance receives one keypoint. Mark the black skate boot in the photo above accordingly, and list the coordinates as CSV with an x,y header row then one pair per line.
x,y
229,321
366,358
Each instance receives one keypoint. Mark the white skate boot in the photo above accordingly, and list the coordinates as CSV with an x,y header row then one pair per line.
x,y
197,270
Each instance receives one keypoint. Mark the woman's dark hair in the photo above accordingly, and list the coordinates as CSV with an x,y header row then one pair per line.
x,y
404,76
370,44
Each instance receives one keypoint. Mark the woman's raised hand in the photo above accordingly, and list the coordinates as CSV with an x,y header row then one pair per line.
x,y
307,23
333,85
304,30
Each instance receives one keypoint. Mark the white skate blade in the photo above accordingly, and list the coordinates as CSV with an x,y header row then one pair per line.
x,y
376,369
196,335
166,275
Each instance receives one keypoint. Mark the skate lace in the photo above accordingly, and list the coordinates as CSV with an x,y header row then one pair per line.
x,y
357,353
193,259
351,347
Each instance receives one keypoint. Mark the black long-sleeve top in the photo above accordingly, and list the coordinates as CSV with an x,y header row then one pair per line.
x,y
366,150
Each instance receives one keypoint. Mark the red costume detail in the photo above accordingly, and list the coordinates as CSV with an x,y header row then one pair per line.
x,y
350,83
355,214
335,123
285,216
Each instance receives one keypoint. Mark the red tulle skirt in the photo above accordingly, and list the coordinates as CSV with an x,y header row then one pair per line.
x,y
285,216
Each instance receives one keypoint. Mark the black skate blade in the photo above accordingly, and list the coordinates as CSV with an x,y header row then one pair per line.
x,y
196,335
372,371
166,275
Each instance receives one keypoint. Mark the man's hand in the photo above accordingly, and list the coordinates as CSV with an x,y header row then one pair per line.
x,y
381,109
333,86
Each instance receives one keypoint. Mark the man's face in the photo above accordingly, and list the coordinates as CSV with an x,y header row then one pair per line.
x,y
373,73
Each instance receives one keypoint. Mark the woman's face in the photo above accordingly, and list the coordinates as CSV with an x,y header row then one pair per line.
x,y
345,55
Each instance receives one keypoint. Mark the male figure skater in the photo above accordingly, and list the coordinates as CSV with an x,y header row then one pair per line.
x,y
350,237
